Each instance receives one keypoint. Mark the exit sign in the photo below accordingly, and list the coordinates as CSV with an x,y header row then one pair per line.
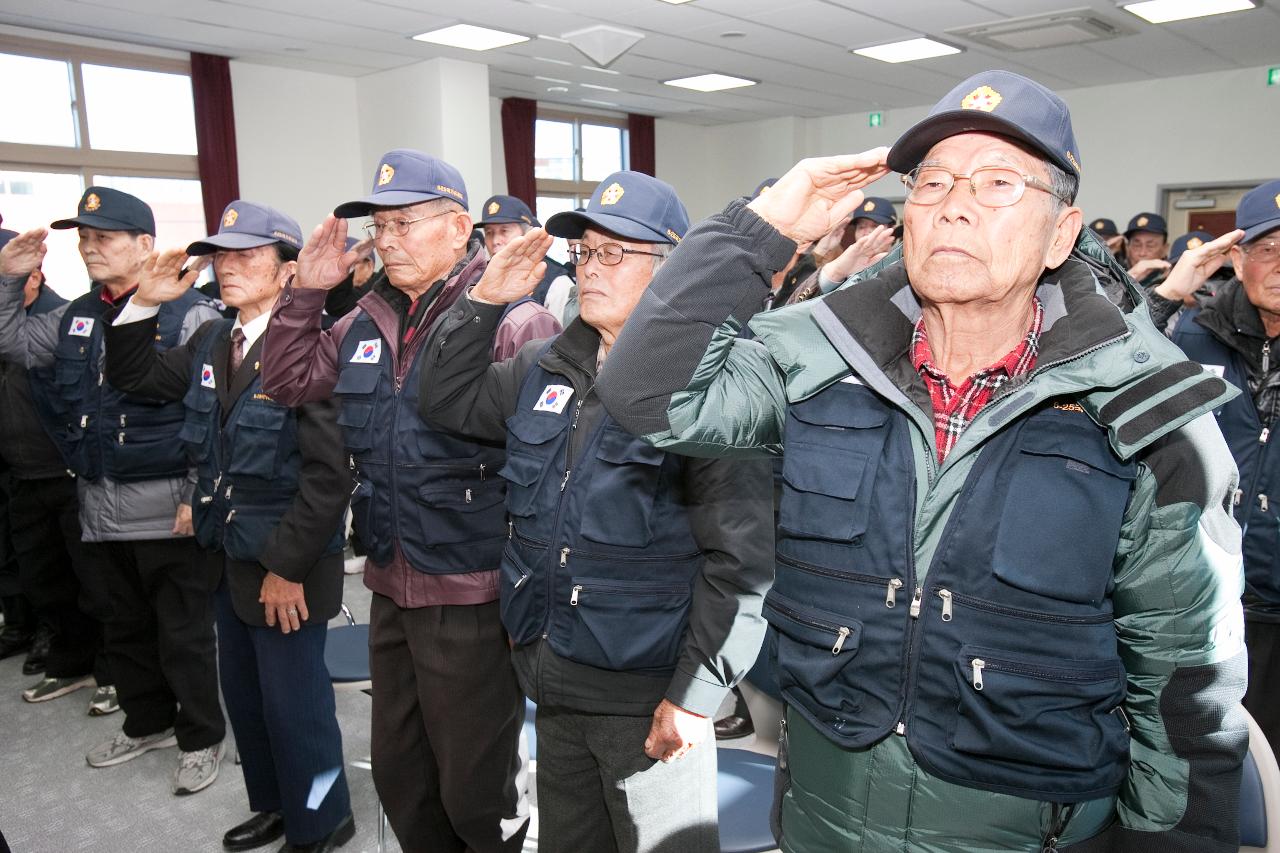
x,y
1273,79
877,119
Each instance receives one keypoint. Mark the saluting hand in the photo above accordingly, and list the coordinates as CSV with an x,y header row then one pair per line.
x,y
324,261
1196,265
516,270
873,246
1144,268
819,193
163,278
23,253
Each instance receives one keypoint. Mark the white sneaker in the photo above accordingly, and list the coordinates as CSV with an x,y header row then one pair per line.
x,y
51,688
104,701
197,770
353,565
122,748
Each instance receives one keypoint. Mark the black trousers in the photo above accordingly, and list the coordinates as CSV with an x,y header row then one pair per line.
x,y
160,639
56,577
447,720
1263,642
18,614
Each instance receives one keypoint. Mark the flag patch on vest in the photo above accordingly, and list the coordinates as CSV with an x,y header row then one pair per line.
x,y
554,398
206,377
1218,370
81,327
368,352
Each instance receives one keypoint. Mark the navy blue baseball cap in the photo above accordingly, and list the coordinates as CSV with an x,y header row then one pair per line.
x,y
110,210
505,210
1152,222
994,102
878,210
405,177
246,225
1105,227
1190,240
1259,211
632,205
762,186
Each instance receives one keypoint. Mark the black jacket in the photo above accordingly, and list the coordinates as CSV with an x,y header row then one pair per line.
x,y
295,547
26,448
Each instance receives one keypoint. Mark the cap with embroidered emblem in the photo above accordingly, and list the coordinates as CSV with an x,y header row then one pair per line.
x,y
1105,227
762,187
506,209
246,225
406,177
110,210
1152,222
1190,240
994,102
878,210
632,205
1259,211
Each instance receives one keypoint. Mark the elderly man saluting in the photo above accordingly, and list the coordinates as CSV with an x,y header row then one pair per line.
x,y
1005,612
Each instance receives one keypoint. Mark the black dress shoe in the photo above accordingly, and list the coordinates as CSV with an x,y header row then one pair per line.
x,y
733,727
39,651
340,836
14,641
262,828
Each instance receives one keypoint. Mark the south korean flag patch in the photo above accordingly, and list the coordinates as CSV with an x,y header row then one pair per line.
x,y
206,377
368,352
554,398
81,327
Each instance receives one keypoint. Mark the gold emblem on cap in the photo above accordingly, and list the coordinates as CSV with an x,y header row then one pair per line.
x,y
871,205
1142,220
230,218
1277,199
673,235
982,98
1195,243
385,174
92,202
611,194
494,207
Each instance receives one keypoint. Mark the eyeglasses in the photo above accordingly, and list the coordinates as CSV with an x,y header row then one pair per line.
x,y
1263,253
396,227
991,186
609,254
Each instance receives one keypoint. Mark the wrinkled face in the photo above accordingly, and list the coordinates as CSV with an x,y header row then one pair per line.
x,y
113,256
862,227
607,295
1259,273
362,271
251,276
1145,246
499,235
958,251
428,249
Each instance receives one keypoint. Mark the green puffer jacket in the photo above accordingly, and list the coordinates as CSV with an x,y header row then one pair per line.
x,y
681,376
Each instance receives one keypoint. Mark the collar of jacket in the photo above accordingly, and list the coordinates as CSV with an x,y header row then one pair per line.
x,y
1231,318
573,353
1098,348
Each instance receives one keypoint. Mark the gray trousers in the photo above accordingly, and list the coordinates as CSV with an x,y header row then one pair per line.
x,y
598,791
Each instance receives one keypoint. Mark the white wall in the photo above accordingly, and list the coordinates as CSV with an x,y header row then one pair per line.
x,y
1133,137
496,150
297,140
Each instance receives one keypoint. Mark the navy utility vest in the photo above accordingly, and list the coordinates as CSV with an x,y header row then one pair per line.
x,y
1001,667
437,496
601,559
102,431
1251,446
247,459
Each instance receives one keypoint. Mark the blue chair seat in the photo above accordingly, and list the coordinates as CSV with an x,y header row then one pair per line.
x,y
346,654
745,783
1253,807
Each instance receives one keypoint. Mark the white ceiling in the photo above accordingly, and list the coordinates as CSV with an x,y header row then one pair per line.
x,y
797,49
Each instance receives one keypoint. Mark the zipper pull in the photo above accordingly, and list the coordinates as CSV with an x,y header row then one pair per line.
x,y
573,599
565,481
206,499
945,595
230,516
482,472
841,636
102,377
511,529
1266,433
467,497
901,728
1266,357
1238,497
520,582
122,420
915,603
120,438
564,556
227,494
978,665
84,421
1262,502
891,598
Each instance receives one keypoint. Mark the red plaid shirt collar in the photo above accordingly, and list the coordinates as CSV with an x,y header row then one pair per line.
x,y
955,408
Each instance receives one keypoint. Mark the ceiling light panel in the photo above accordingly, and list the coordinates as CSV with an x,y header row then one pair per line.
x,y
907,51
710,82
470,37
1164,11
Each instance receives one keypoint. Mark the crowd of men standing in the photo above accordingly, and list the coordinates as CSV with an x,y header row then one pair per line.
x,y
1004,607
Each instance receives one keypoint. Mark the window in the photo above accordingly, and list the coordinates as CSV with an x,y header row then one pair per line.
x,y
86,116
572,154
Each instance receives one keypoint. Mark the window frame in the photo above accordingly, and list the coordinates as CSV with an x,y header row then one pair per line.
x,y
579,187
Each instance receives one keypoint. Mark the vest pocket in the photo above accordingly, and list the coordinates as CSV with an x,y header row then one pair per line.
x,y
627,625
820,487
257,443
1051,713
527,458
362,519
520,598
446,510
814,649
623,487
1060,524
354,420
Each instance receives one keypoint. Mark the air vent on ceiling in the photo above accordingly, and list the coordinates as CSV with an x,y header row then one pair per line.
x,y
1057,29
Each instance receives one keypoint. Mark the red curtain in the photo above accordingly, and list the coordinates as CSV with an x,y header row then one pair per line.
x,y
215,135
518,117
643,158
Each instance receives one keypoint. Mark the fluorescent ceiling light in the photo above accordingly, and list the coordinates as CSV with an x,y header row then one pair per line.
x,y
907,51
1164,11
552,61
469,37
599,103
675,2
598,69
599,88
710,82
